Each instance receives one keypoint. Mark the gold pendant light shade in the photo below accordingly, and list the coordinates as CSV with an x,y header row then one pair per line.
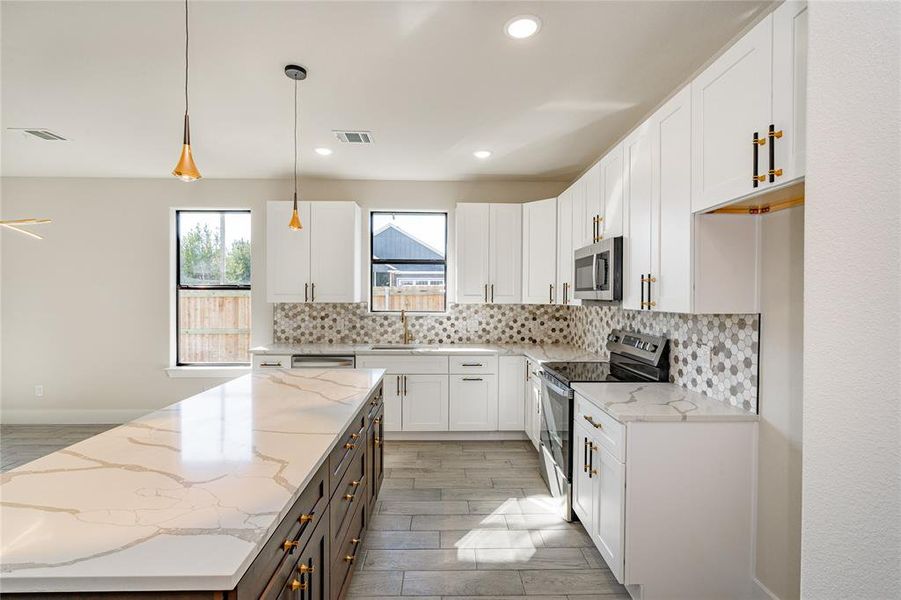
x,y
186,170
295,223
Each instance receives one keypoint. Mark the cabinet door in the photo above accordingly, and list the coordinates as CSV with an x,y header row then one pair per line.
x,y
511,383
473,402
335,251
536,412
539,252
425,402
287,253
637,244
594,202
581,228
564,248
612,179
671,222
730,101
790,88
583,484
472,223
393,398
505,254
608,521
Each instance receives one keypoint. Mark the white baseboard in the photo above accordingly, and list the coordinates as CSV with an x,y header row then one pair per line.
x,y
435,436
762,592
63,416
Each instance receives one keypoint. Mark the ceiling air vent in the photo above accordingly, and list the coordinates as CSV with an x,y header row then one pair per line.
x,y
354,137
43,134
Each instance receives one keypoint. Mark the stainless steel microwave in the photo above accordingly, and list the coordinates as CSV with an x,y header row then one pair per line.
x,y
598,271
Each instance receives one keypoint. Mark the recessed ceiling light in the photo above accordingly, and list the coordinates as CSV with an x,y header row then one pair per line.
x,y
323,151
522,26
482,154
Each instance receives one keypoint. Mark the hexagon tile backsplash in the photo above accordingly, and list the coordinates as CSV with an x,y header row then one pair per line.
x,y
716,355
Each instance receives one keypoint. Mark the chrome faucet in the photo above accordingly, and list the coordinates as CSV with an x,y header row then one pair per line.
x,y
408,337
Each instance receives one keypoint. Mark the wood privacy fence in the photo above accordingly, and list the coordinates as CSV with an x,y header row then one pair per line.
x,y
214,326
408,297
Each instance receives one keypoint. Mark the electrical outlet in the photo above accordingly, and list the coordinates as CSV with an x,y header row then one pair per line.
x,y
39,391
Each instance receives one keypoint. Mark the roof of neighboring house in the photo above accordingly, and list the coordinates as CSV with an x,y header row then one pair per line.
x,y
392,242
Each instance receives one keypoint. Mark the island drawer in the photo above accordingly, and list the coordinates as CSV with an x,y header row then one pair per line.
x,y
271,361
376,459
351,492
345,553
608,432
485,364
306,575
291,535
354,437
375,402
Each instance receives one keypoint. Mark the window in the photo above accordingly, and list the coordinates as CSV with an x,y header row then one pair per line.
x,y
409,261
212,284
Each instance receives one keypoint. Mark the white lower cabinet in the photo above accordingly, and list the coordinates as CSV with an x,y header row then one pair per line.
x,y
607,519
392,391
473,402
512,376
583,486
425,402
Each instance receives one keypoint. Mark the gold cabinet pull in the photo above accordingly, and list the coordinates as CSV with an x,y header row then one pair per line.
x,y
290,545
349,446
377,421
378,442
354,483
349,558
760,141
305,518
355,541
776,134
349,497
306,569
760,178
593,424
776,172
354,436
296,585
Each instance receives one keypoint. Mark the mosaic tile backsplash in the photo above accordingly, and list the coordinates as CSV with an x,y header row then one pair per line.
x,y
732,340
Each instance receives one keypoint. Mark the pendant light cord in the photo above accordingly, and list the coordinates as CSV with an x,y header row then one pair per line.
x,y
295,140
186,57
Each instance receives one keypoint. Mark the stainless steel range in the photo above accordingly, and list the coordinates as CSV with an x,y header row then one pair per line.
x,y
634,357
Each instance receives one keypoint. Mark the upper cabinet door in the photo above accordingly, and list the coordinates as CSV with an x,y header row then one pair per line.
x,y
581,223
611,175
335,252
505,254
472,223
539,252
287,253
594,203
671,222
731,101
790,88
638,194
564,248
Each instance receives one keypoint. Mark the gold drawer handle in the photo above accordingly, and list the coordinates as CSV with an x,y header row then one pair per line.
x,y
596,425
354,436
354,483
349,497
355,541
378,442
377,421
305,518
289,545
306,569
349,558
349,446
297,585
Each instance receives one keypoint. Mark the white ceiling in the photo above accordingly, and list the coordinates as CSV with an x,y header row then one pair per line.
x,y
433,82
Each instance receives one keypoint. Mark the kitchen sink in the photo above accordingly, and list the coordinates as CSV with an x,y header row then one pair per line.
x,y
396,346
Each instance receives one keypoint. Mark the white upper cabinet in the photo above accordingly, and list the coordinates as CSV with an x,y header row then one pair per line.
x,y
505,254
472,253
287,254
581,223
594,203
539,252
671,217
335,251
319,263
638,195
564,288
790,87
731,102
610,173
489,253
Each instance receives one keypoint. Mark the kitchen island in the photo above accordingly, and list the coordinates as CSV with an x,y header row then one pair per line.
x,y
260,486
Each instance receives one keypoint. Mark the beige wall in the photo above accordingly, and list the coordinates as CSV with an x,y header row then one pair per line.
x,y
780,402
86,312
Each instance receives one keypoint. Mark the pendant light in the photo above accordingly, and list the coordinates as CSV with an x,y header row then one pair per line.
x,y
186,170
296,73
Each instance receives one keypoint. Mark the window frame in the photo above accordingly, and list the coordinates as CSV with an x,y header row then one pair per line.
x,y
179,287
374,261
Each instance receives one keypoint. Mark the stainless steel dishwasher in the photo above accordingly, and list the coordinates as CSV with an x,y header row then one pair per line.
x,y
304,361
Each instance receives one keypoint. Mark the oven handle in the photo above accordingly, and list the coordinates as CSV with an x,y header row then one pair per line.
x,y
556,387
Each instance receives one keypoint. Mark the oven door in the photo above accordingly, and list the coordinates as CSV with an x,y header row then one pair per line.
x,y
556,423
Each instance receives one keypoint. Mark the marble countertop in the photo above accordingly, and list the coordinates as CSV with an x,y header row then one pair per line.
x,y
537,352
658,402
180,499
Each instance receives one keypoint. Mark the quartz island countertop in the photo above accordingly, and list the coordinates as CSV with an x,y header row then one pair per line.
x,y
180,499
658,402
538,352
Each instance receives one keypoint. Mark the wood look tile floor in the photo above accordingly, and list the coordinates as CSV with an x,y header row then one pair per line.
x,y
464,520
455,521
